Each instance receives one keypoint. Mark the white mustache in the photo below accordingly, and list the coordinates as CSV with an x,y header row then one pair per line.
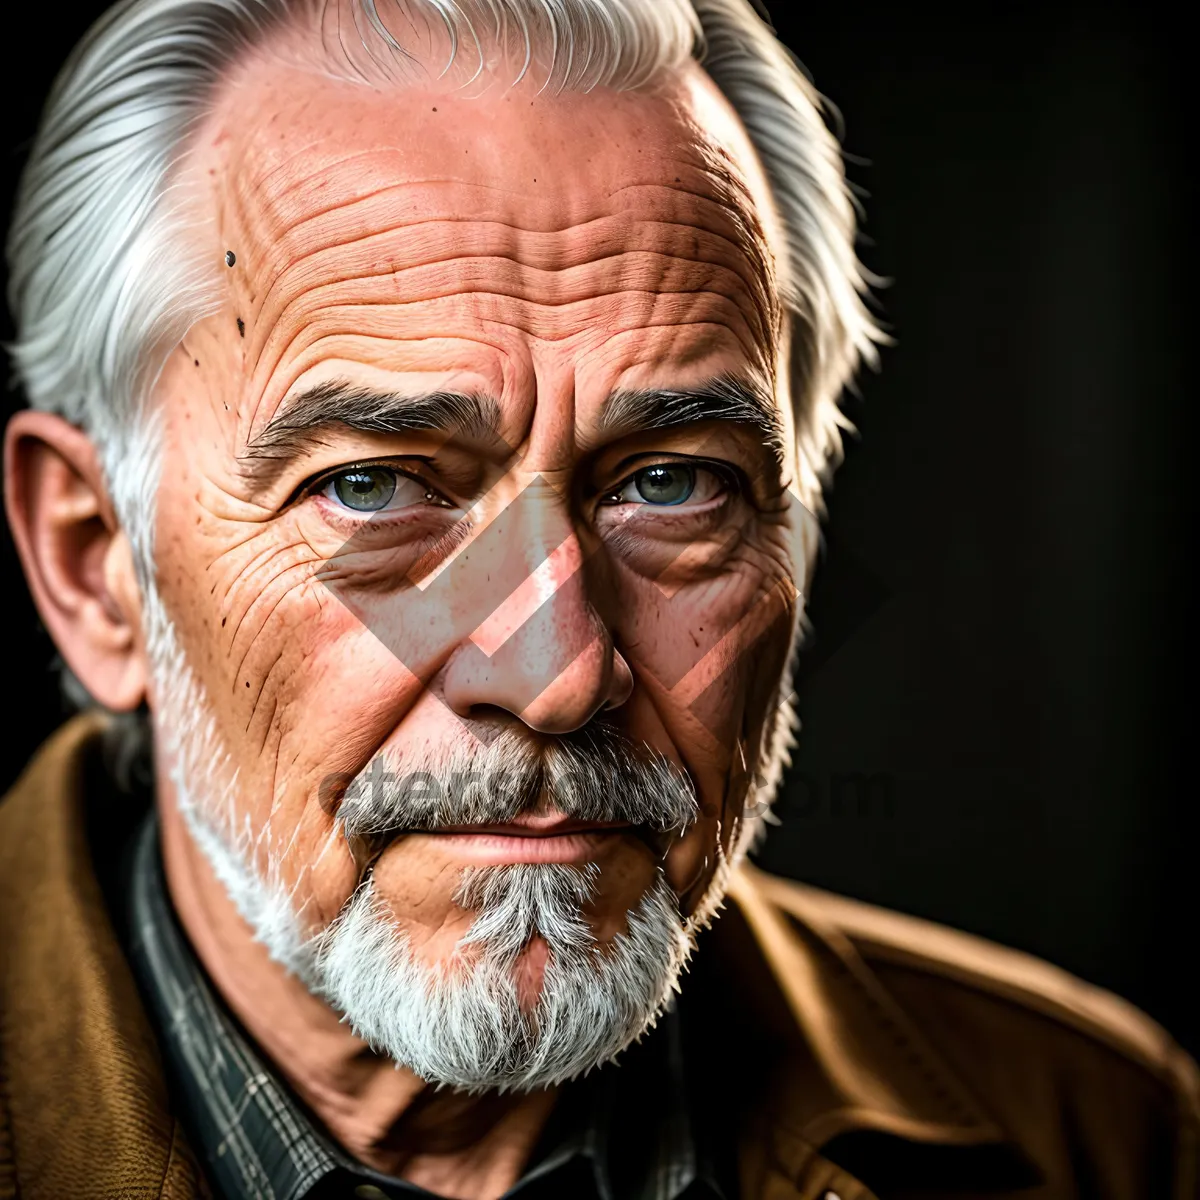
x,y
596,775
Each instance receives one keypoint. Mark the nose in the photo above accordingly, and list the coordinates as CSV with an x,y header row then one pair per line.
x,y
543,653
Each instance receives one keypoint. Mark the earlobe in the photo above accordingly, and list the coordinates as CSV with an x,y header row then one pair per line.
x,y
77,560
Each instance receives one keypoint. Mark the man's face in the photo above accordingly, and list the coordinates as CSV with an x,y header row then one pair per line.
x,y
434,474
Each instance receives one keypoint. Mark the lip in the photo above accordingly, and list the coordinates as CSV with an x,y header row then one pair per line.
x,y
490,847
547,837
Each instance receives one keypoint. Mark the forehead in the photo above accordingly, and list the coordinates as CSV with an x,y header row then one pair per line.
x,y
410,214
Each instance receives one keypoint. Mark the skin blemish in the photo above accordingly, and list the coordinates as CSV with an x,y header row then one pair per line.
x,y
230,258
196,361
241,327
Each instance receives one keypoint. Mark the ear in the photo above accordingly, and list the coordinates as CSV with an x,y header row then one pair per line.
x,y
77,560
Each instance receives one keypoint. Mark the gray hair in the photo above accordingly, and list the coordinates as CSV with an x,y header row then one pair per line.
x,y
102,288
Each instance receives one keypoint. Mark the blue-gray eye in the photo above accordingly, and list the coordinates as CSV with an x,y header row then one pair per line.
x,y
669,483
365,489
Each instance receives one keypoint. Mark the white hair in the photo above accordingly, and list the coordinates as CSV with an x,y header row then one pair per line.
x,y
104,282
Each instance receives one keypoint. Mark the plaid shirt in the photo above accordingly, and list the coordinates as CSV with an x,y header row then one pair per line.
x,y
624,1133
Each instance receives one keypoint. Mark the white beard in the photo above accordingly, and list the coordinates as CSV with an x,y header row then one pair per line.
x,y
462,1024
458,1023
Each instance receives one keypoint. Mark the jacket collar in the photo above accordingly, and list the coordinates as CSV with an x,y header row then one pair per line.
x,y
868,1066
844,1074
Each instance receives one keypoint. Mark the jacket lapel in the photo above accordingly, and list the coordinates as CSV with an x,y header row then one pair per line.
x,y
86,1099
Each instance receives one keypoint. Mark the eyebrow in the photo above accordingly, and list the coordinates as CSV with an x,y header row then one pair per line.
x,y
726,398
304,420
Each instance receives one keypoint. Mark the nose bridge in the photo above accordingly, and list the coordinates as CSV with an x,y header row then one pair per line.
x,y
542,651
547,574
539,532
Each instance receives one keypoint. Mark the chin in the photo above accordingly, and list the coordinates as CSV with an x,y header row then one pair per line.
x,y
528,999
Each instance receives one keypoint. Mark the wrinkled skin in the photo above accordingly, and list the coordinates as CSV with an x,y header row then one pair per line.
x,y
544,251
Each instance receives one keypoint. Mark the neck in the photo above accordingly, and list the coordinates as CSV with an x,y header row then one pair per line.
x,y
464,1147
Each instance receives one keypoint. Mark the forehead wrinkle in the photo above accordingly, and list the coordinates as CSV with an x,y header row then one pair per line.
x,y
738,201
291,290
256,198
263,183
550,320
256,193
528,261
254,203
313,234
497,271
497,276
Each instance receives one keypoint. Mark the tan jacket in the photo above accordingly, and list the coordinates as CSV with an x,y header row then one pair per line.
x,y
926,1062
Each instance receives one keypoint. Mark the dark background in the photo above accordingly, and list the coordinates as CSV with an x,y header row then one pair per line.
x,y
994,725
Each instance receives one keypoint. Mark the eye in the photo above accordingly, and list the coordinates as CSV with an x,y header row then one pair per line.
x,y
665,485
365,490
373,489
670,483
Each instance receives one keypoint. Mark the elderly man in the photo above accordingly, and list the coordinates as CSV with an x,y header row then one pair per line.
x,y
429,403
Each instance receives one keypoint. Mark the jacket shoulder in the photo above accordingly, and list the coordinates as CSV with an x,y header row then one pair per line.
x,y
949,960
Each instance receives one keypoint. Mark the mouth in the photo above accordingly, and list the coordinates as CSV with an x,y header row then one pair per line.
x,y
530,838
492,847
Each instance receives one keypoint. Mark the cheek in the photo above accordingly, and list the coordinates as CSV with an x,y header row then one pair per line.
x,y
711,649
251,615
708,658
301,692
